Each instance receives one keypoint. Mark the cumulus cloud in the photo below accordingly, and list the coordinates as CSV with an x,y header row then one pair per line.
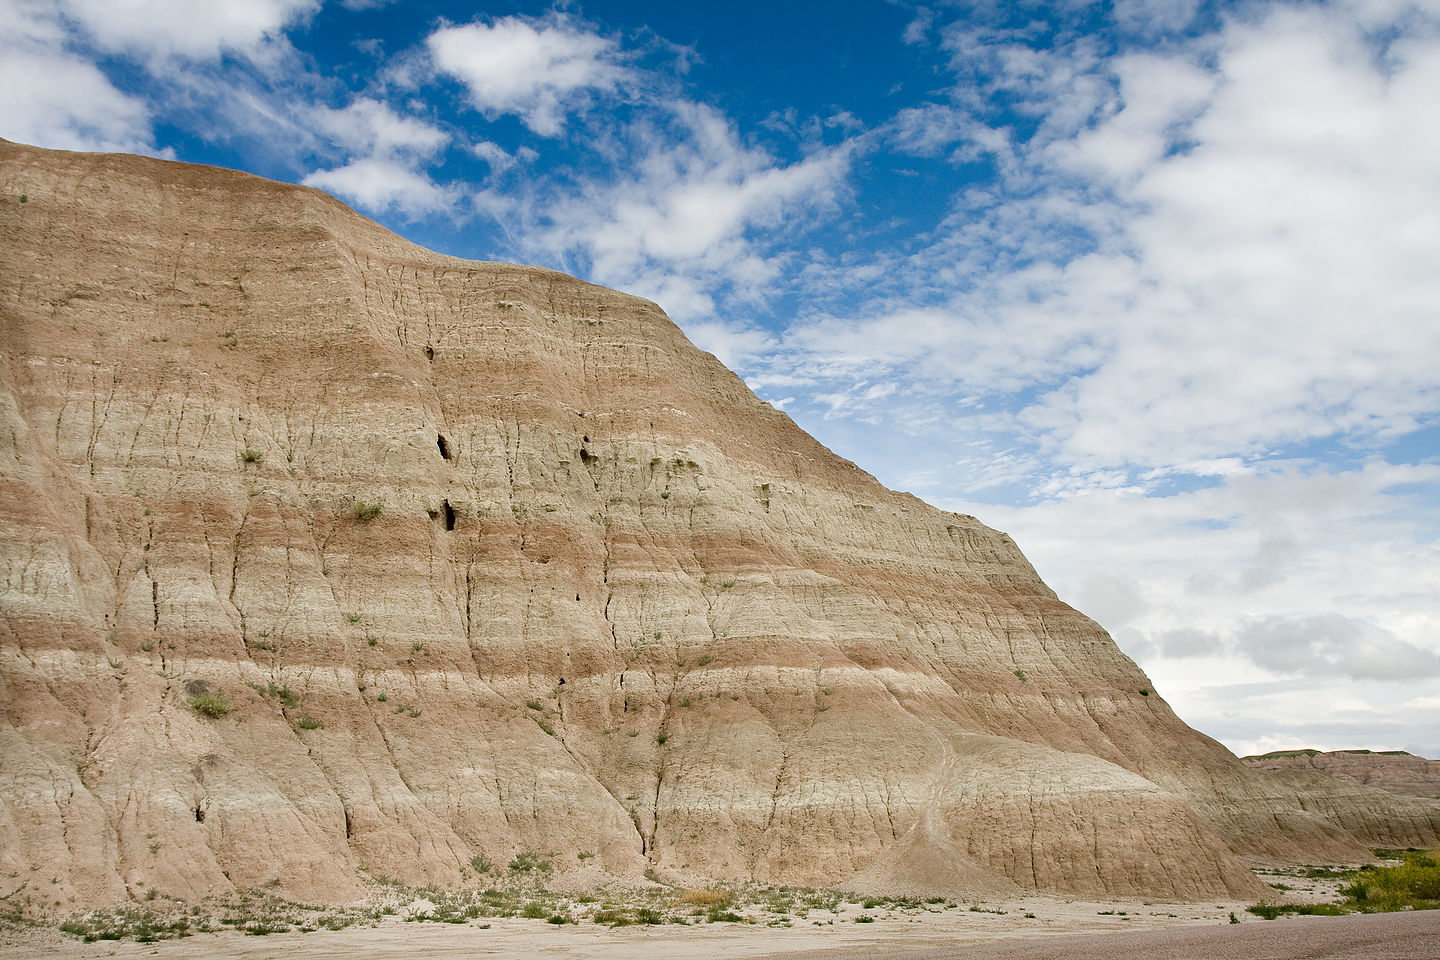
x,y
55,97
369,125
1204,251
158,29
387,154
535,69
378,184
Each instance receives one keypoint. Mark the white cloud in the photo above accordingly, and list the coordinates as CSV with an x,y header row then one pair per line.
x,y
677,226
55,97
918,29
370,126
63,102
1329,644
1203,254
1155,16
159,29
732,343
537,70
378,184
1347,608
498,158
387,153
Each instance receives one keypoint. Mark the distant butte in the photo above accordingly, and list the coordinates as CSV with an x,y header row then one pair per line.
x,y
1392,770
325,557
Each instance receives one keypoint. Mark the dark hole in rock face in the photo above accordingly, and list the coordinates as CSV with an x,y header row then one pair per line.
x,y
584,439
199,814
444,446
429,353
449,516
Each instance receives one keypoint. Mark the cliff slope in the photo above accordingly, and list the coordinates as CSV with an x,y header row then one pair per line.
x,y
473,560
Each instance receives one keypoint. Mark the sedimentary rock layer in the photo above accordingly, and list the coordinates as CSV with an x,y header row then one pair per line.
x,y
1392,770
485,560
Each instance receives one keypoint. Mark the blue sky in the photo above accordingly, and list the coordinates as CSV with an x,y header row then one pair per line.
x,y
1150,284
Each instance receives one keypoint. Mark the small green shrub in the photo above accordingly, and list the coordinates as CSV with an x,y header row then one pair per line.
x,y
285,695
251,456
529,862
365,512
481,864
210,704
1272,910
308,723
535,910
1412,885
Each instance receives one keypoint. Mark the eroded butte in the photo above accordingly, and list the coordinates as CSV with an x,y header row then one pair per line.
x,y
485,560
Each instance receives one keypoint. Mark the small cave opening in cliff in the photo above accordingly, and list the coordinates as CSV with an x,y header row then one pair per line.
x,y
449,516
199,813
586,457
444,446
430,354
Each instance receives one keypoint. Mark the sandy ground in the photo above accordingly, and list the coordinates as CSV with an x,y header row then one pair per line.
x,y
1381,936
1021,929
823,931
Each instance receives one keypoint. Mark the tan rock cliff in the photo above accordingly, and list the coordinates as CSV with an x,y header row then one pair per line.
x,y
488,560
1392,770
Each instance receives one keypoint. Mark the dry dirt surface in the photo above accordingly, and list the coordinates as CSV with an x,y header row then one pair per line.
x,y
1381,936
324,557
1174,932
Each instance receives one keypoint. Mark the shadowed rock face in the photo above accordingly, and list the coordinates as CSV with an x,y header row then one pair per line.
x,y
1392,770
486,560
